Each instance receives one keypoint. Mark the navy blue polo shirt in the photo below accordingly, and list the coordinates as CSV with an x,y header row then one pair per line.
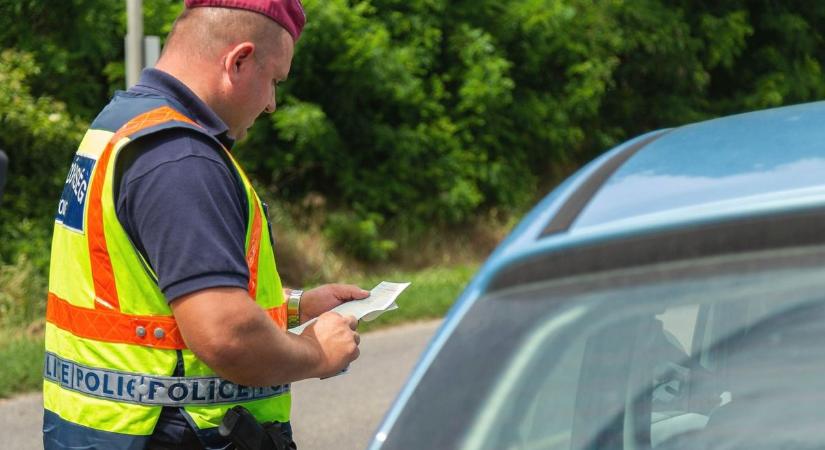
x,y
184,209
180,202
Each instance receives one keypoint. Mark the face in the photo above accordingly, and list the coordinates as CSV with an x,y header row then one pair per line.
x,y
253,79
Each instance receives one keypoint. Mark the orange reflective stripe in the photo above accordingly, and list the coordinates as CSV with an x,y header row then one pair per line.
x,y
150,119
115,326
102,274
106,297
254,249
278,315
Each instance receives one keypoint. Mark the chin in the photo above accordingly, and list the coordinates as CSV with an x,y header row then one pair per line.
x,y
239,135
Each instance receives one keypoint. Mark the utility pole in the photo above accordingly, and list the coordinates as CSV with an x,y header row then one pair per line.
x,y
134,41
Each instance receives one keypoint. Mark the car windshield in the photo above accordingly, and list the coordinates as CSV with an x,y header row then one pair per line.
x,y
722,362
728,355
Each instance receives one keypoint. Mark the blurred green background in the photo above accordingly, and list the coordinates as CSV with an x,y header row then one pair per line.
x,y
411,133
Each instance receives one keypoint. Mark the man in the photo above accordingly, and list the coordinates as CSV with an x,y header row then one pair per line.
x,y
165,308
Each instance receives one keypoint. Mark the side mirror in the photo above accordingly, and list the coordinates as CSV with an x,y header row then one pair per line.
x,y
4,164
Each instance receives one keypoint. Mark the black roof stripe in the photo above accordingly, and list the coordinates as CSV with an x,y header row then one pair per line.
x,y
575,204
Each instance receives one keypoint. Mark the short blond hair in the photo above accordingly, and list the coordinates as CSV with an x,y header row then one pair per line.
x,y
207,31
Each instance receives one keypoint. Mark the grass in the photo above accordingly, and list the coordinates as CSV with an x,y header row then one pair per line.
x,y
22,303
430,296
22,362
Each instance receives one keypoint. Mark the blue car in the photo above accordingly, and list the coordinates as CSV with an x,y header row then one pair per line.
x,y
669,295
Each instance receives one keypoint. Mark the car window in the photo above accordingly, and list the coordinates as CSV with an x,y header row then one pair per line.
x,y
722,361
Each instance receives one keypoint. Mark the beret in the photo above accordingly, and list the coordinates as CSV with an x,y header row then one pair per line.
x,y
286,13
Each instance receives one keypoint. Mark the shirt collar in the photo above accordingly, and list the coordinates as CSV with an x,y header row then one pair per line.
x,y
154,81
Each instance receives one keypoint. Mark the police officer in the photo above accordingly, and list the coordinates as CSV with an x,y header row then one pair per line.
x,y
165,308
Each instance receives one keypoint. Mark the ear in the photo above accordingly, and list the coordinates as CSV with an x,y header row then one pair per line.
x,y
239,59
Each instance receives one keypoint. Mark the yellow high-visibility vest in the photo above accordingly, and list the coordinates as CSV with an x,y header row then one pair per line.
x,y
112,344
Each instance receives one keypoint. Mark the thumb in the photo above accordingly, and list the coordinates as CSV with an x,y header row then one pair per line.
x,y
350,292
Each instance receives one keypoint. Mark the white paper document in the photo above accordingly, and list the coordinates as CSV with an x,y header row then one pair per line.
x,y
381,299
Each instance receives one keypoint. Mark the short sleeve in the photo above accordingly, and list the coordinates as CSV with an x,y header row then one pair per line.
x,y
185,211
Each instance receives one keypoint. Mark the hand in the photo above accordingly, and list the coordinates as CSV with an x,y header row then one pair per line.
x,y
323,298
336,341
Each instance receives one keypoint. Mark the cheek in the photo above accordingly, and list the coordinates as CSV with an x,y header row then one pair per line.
x,y
260,97
253,101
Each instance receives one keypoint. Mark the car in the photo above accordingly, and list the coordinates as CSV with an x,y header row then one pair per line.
x,y
668,295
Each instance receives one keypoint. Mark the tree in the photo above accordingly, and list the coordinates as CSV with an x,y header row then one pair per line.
x,y
403,115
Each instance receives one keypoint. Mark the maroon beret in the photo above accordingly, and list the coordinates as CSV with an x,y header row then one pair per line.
x,y
287,13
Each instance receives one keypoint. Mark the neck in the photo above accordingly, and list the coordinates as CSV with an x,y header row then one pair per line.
x,y
196,79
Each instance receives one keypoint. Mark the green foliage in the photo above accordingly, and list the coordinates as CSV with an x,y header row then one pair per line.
x,y
395,132
39,136
59,63
404,115
78,44
430,112
359,237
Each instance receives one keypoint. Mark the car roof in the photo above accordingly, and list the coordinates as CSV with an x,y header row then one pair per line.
x,y
746,158
746,164
723,171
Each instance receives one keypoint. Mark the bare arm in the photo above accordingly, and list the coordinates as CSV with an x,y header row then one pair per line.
x,y
235,337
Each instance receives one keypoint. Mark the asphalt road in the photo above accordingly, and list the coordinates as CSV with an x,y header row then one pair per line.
x,y
337,413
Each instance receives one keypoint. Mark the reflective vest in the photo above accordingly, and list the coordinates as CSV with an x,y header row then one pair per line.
x,y
112,344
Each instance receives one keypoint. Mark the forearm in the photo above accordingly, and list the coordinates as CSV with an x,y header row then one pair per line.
x,y
259,354
237,339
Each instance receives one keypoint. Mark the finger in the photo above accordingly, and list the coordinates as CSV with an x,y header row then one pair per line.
x,y
353,322
347,292
357,338
361,293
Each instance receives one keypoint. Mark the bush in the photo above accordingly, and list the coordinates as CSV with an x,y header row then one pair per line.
x,y
359,237
431,113
409,115
39,135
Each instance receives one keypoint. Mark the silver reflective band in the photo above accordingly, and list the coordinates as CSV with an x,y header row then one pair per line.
x,y
151,390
